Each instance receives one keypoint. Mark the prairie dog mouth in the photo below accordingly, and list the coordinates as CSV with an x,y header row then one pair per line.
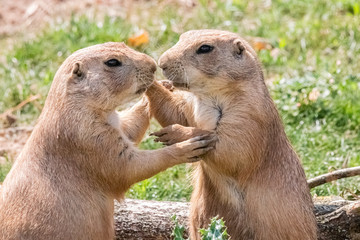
x,y
144,84
176,79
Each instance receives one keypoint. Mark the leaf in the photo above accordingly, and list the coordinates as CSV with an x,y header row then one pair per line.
x,y
215,231
261,46
139,39
179,229
356,9
259,43
282,43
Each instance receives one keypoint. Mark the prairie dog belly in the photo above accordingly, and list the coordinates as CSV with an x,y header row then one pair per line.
x,y
206,114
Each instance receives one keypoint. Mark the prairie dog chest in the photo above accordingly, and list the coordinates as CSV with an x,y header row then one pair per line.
x,y
114,120
206,114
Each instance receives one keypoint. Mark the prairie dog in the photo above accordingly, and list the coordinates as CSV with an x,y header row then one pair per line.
x,y
81,154
253,178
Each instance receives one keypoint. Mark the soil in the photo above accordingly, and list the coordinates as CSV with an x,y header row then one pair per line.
x,y
29,15
12,140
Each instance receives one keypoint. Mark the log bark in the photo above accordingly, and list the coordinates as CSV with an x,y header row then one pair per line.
x,y
141,219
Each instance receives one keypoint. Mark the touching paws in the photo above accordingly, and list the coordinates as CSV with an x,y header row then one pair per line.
x,y
167,84
177,133
191,150
188,142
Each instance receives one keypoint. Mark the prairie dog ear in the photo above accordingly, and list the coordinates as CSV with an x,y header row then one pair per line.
x,y
76,70
239,46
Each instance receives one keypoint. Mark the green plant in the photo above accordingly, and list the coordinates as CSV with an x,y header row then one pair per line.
x,y
179,229
4,169
215,231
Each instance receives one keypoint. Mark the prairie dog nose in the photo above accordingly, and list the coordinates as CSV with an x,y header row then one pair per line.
x,y
163,62
153,66
151,63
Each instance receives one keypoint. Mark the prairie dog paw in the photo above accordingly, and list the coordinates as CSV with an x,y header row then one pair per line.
x,y
191,150
177,133
167,84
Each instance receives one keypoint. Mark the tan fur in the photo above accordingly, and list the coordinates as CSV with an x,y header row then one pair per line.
x,y
81,154
253,179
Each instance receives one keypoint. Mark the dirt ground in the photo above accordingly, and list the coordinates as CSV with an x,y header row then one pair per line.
x,y
32,15
12,140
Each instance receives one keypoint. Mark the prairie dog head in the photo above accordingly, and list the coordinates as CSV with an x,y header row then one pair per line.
x,y
103,76
204,59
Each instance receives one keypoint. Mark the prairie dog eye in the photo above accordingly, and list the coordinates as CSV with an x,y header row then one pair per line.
x,y
204,49
113,63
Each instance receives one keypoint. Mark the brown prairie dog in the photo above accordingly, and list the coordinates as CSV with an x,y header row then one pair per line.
x,y
253,178
81,154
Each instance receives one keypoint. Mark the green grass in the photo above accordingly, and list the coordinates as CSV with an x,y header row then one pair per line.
x,y
4,169
313,73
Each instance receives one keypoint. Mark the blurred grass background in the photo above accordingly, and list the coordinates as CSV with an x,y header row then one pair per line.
x,y
312,71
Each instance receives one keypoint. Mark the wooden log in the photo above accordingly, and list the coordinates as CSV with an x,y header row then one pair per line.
x,y
141,219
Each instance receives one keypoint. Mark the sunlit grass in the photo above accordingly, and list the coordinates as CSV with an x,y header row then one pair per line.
x,y
4,169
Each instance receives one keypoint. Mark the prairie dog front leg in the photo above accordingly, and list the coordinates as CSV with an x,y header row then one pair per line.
x,y
167,107
146,163
135,121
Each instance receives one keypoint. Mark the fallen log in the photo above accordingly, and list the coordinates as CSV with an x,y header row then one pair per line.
x,y
142,219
